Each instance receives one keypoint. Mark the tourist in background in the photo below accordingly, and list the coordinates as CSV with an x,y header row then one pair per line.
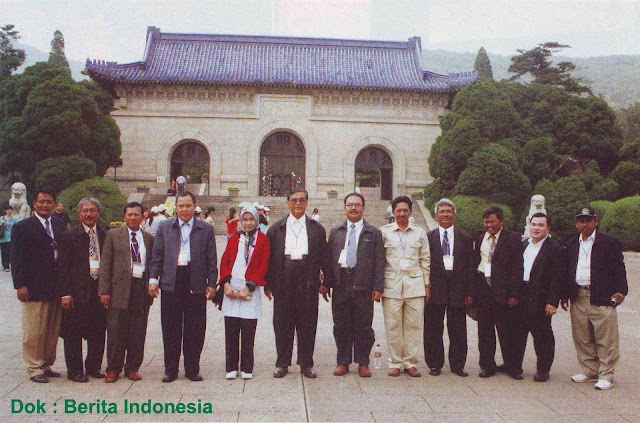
x,y
209,215
231,222
6,222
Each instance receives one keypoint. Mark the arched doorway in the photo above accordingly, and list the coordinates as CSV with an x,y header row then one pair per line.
x,y
282,164
190,159
374,173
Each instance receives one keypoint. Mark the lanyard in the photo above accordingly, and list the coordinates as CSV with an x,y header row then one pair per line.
x,y
587,253
402,244
296,235
184,241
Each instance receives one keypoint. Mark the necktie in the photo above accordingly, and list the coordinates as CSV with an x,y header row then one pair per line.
x,y
492,246
135,248
93,253
352,259
47,228
446,248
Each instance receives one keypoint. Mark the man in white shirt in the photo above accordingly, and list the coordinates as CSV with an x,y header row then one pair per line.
x,y
540,294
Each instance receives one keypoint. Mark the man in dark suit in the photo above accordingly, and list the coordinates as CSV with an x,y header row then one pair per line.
x,y
498,260
34,255
82,314
451,282
357,256
185,260
539,295
124,279
597,284
299,252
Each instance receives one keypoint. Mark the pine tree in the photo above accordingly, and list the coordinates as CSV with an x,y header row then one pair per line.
x,y
483,65
10,57
57,56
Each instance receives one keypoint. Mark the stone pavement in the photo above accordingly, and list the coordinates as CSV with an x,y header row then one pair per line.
x,y
329,398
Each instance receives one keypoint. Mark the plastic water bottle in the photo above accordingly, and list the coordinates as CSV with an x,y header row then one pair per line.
x,y
377,357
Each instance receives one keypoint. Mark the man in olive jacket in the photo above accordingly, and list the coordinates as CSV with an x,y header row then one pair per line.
x,y
357,258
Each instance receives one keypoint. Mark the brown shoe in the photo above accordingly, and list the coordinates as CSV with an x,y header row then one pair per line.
x,y
110,377
341,370
363,370
134,376
413,372
393,372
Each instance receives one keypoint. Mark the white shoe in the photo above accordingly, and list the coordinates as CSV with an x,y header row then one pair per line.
x,y
581,378
247,375
603,385
232,375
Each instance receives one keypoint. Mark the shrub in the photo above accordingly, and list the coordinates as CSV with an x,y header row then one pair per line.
x,y
622,222
608,190
434,192
57,173
469,213
562,200
627,175
601,207
105,190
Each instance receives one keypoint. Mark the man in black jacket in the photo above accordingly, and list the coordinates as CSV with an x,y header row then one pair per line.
x,y
597,283
451,279
299,253
34,255
540,294
357,257
498,260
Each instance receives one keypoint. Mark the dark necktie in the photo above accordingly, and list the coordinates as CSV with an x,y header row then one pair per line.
x,y
135,248
446,248
47,228
352,252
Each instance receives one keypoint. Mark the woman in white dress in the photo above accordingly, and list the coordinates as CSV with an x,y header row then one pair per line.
x,y
242,270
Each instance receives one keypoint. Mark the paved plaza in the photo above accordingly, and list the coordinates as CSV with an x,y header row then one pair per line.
x,y
327,398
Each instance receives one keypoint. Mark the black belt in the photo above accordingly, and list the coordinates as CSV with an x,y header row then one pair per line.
x,y
584,287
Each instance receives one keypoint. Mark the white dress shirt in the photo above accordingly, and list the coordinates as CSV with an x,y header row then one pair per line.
x,y
449,232
296,240
95,231
42,220
485,250
141,248
529,256
583,269
359,225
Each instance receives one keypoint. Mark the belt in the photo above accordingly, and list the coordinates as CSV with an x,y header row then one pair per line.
x,y
584,287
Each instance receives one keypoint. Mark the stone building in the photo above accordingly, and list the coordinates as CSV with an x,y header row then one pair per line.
x,y
265,114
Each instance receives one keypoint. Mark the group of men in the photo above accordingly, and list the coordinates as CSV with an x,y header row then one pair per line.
x,y
108,280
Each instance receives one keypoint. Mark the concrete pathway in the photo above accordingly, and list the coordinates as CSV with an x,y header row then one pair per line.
x,y
327,398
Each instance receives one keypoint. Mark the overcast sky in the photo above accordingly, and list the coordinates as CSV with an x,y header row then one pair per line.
x,y
115,30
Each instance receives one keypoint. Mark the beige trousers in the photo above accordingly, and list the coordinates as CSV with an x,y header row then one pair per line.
x,y
40,330
595,335
403,321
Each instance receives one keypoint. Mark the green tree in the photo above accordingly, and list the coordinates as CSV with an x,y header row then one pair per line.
x,y
105,190
57,173
482,65
57,56
627,175
469,213
563,198
536,63
622,221
538,158
629,121
10,57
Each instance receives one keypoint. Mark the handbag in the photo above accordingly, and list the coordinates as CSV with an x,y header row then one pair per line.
x,y
2,229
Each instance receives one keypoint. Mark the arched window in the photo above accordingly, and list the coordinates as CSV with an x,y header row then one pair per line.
x,y
190,159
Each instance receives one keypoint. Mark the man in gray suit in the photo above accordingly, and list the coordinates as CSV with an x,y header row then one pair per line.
x,y
124,265
184,266
357,256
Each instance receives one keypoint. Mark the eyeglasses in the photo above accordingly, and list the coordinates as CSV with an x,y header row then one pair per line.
x,y
353,206
298,200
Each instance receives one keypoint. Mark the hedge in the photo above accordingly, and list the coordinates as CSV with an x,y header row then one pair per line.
x,y
105,190
622,222
602,208
469,213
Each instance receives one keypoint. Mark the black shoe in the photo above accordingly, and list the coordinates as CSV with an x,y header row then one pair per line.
x,y
501,369
516,376
167,378
51,373
78,378
96,375
195,378
434,371
461,372
280,372
485,373
39,379
541,377
309,372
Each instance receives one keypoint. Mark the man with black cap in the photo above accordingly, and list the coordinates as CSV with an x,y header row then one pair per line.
x,y
597,283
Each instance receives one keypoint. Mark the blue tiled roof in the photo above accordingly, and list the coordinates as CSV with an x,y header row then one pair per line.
x,y
279,61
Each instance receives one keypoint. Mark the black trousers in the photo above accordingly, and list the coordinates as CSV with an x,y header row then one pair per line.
x,y
5,251
497,317
237,331
127,331
533,319
434,329
352,321
295,311
184,321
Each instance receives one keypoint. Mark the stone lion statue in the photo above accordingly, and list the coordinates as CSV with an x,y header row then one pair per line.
x,y
19,202
537,206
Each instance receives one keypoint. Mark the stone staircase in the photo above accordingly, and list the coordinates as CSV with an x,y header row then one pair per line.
x,y
331,211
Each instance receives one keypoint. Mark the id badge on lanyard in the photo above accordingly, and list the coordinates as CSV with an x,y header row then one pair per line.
x,y
137,270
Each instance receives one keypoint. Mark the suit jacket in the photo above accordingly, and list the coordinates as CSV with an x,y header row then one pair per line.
x,y
506,266
451,289
74,277
115,267
608,273
32,258
317,259
547,275
204,259
369,270
257,267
